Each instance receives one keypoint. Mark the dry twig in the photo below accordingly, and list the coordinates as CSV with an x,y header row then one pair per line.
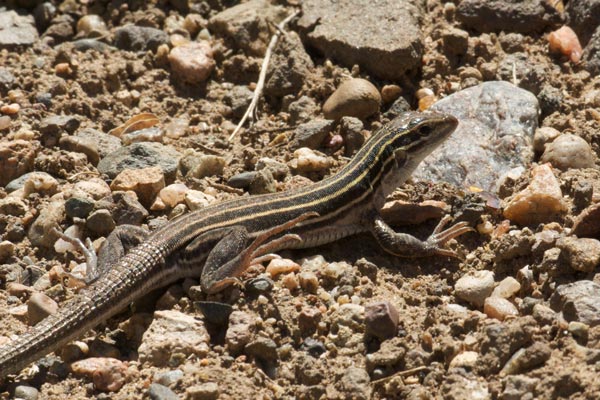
x,y
263,73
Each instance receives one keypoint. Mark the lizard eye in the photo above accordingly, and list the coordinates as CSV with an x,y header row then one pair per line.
x,y
425,130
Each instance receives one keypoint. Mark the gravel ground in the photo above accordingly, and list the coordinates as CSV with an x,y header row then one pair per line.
x,y
117,113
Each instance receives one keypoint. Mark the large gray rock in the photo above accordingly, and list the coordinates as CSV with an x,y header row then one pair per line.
x,y
496,125
384,37
524,16
141,155
16,31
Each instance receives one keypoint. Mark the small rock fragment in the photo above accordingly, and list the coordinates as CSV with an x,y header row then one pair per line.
x,y
381,320
499,308
308,161
308,281
279,266
146,183
565,41
206,391
192,62
475,288
355,98
543,136
507,288
578,301
39,307
539,202
100,222
582,254
172,337
108,374
569,151
239,331
156,391
173,194
466,359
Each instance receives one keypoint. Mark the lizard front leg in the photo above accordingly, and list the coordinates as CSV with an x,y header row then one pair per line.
x,y
405,245
231,256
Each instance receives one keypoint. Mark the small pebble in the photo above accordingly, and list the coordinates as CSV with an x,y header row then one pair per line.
x,y
100,222
279,266
308,281
579,330
10,109
173,194
168,378
290,281
145,182
192,62
540,201
466,359
543,136
39,307
195,199
74,351
569,151
507,288
91,26
107,374
308,161
7,249
390,93
381,320
355,98
582,254
475,288
499,308
23,392
205,391
156,391
565,41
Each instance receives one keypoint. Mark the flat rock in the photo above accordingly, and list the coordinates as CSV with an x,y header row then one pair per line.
x,y
16,30
172,337
141,155
578,301
384,37
139,38
523,16
494,135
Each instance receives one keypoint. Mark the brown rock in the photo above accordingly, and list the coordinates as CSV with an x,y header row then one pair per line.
x,y
17,158
539,202
582,254
108,374
569,151
39,307
381,320
355,98
145,182
192,62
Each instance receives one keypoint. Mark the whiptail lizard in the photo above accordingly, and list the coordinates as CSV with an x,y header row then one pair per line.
x,y
218,243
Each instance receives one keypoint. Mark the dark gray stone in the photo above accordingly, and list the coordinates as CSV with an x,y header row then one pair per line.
x,y
156,391
591,53
497,122
583,16
78,207
90,44
139,38
105,143
384,38
141,155
16,30
523,16
311,134
578,301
